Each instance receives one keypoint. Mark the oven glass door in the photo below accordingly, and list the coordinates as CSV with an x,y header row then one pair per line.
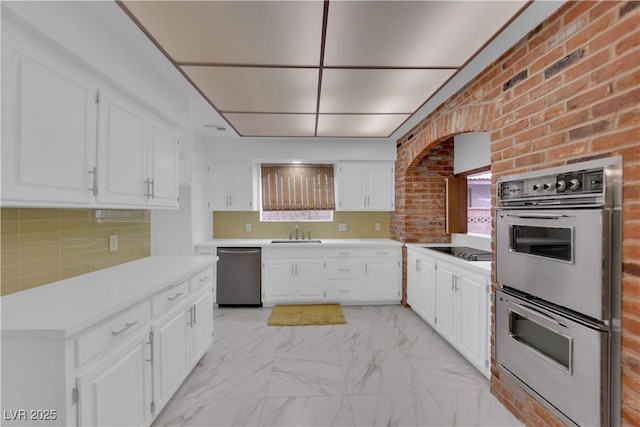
x,y
544,241
546,342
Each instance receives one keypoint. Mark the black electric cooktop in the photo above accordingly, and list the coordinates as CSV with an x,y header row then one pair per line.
x,y
469,254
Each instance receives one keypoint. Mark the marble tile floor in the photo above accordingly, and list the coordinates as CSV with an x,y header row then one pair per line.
x,y
384,367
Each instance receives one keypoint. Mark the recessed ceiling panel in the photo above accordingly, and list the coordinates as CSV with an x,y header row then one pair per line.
x,y
273,124
276,90
412,33
242,32
378,91
359,125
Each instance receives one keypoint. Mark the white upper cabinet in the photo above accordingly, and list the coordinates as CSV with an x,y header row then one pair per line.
x,y
366,186
137,156
48,127
69,140
231,187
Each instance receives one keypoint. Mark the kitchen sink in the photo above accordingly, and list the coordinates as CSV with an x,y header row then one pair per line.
x,y
296,241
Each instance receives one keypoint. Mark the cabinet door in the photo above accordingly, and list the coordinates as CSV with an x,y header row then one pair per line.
x,y
219,183
415,290
117,391
163,166
381,279
309,280
472,303
351,188
201,325
48,127
121,151
445,304
241,188
171,363
427,271
380,192
277,282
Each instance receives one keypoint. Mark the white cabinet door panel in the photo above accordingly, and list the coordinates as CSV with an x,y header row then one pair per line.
x,y
163,166
381,279
48,127
117,392
379,182
278,280
121,152
351,192
170,356
473,326
202,325
309,280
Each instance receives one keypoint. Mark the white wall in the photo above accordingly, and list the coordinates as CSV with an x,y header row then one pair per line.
x,y
472,151
274,149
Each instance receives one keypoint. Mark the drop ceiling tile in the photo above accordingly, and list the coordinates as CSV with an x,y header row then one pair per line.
x,y
245,32
359,125
273,124
412,33
275,90
378,91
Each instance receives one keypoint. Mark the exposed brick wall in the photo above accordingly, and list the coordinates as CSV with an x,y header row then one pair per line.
x,y
567,91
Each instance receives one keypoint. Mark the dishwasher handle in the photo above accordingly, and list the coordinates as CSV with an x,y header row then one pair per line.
x,y
239,252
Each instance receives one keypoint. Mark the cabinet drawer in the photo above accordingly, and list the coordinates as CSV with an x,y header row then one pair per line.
x,y
381,252
169,297
344,252
340,290
299,252
122,324
344,268
205,277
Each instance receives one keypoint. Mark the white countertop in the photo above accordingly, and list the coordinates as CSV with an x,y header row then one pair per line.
x,y
480,266
64,308
325,242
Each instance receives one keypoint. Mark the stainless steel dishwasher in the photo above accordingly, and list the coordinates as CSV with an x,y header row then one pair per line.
x,y
239,277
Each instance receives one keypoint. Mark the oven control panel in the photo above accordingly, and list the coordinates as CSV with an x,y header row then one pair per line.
x,y
552,188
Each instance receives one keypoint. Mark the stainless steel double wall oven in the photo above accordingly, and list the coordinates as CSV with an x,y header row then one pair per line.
x,y
558,306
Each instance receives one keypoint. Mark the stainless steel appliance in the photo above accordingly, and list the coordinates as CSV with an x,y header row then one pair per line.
x,y
239,277
558,262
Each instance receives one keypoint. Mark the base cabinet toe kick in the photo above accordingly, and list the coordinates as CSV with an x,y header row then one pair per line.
x,y
116,370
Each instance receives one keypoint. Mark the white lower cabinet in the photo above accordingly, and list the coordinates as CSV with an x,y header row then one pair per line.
x,y
116,370
454,300
171,362
116,391
381,275
421,286
347,275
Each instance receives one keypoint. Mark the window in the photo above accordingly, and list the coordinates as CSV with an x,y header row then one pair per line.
x,y
469,203
297,193
479,203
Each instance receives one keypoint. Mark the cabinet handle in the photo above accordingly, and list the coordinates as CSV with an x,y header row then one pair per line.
x,y
94,187
382,253
176,296
417,265
344,253
366,269
345,270
148,193
342,291
126,326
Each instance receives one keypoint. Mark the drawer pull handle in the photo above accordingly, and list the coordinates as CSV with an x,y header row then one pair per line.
x,y
126,326
175,297
204,279
344,253
346,270
381,253
343,292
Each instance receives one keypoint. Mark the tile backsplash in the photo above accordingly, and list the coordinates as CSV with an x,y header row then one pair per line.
x,y
232,225
41,246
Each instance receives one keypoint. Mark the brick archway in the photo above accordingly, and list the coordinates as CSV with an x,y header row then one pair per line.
x,y
468,118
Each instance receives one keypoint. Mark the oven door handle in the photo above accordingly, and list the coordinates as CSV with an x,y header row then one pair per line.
x,y
538,216
535,311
